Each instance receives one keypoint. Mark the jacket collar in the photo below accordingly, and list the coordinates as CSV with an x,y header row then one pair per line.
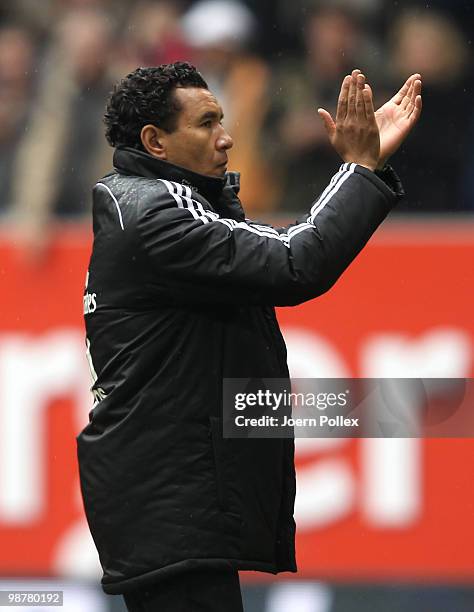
x,y
134,162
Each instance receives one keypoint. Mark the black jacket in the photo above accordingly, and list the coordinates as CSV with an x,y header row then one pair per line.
x,y
180,294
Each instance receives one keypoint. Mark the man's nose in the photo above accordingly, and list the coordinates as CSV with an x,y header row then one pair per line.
x,y
224,142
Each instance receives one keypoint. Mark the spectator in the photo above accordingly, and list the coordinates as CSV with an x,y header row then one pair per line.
x,y
62,153
221,31
152,37
460,11
302,157
16,84
31,14
432,164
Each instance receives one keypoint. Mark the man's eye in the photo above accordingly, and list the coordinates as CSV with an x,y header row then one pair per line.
x,y
207,123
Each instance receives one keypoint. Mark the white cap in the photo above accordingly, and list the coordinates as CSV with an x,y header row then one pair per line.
x,y
213,22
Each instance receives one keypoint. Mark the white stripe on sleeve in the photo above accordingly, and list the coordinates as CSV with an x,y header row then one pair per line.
x,y
182,194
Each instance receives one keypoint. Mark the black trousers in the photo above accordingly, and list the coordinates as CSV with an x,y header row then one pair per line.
x,y
195,591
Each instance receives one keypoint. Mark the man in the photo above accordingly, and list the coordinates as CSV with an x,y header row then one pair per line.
x,y
180,294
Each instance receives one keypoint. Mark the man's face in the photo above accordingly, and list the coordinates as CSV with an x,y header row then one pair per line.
x,y
200,142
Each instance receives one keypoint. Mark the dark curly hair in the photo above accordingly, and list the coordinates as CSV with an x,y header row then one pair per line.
x,y
146,95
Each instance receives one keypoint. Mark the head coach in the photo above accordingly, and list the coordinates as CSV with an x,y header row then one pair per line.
x,y
180,294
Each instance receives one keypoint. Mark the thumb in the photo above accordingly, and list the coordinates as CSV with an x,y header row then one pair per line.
x,y
328,121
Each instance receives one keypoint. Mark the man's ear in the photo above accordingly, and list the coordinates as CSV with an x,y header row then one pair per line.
x,y
154,140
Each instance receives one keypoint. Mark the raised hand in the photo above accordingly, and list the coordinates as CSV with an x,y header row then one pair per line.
x,y
354,134
396,118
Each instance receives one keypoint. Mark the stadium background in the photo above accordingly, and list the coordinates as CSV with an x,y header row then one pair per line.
x,y
383,524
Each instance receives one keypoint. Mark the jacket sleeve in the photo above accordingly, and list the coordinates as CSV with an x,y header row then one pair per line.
x,y
208,258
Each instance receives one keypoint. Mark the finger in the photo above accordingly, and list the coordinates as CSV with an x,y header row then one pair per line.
x,y
415,92
343,99
417,85
368,103
360,106
351,103
407,98
398,97
416,110
328,121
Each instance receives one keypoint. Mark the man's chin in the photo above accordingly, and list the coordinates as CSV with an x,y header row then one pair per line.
x,y
219,172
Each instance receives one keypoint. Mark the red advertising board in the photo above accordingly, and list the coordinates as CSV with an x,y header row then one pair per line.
x,y
367,509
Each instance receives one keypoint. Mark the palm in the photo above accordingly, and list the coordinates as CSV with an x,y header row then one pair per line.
x,y
396,118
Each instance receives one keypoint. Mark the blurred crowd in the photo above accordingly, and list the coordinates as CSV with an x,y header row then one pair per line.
x,y
270,63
